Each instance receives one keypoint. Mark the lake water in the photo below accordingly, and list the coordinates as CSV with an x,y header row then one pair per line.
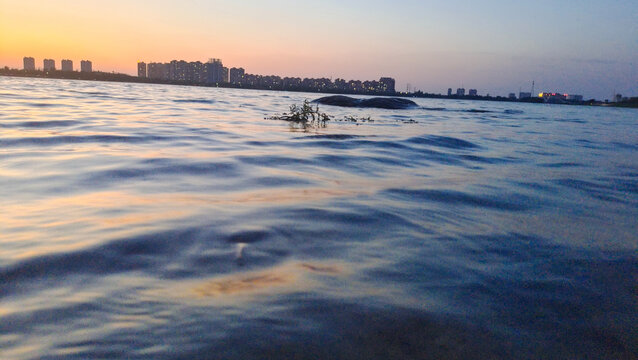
x,y
147,221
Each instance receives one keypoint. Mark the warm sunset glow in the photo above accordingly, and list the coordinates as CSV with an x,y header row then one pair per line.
x,y
496,48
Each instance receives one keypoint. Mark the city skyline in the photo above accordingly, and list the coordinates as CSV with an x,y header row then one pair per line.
x,y
214,73
495,47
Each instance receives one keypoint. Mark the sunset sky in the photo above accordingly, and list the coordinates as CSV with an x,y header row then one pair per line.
x,y
581,47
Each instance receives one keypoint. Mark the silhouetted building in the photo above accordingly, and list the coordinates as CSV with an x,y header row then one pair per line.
x,y
460,92
449,91
86,66
66,65
141,69
214,71
236,75
512,96
524,95
157,71
473,92
571,97
555,98
29,63
387,85
48,64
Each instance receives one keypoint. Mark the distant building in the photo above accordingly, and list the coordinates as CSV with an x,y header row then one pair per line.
x,y
67,65
548,95
512,96
236,75
29,63
524,95
473,92
553,97
618,97
48,64
214,71
141,69
86,66
460,92
387,85
574,97
449,92
224,74
157,71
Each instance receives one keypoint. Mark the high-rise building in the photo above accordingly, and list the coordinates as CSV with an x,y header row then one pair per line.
x,y
214,71
141,69
29,63
67,65
387,84
236,75
449,91
524,95
224,74
86,66
157,71
48,64
460,92
473,92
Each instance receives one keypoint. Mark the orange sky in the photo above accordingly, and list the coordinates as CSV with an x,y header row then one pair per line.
x,y
496,46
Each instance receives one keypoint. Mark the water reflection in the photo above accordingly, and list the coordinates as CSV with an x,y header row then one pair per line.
x,y
135,224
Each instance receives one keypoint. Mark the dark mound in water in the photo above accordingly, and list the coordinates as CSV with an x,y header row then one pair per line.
x,y
377,102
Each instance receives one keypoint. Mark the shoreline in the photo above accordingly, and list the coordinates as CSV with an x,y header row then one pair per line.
x,y
118,77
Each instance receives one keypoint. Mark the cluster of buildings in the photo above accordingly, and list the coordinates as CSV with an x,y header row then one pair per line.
x,y
49,65
559,98
213,72
461,92
522,95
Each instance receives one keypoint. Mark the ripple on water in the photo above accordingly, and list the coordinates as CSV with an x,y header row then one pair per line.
x,y
156,221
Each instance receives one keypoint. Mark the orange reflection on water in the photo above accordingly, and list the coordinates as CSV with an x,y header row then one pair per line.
x,y
242,286
266,280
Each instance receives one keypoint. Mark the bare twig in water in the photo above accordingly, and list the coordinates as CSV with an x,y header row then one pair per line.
x,y
305,115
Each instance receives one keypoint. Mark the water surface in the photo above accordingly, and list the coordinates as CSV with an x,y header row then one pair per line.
x,y
167,222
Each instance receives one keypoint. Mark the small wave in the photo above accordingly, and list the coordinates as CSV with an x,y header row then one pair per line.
x,y
624,145
44,105
480,111
560,165
118,256
513,112
595,190
508,202
575,121
273,160
434,108
248,237
198,101
63,140
41,124
219,169
487,160
332,136
443,141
